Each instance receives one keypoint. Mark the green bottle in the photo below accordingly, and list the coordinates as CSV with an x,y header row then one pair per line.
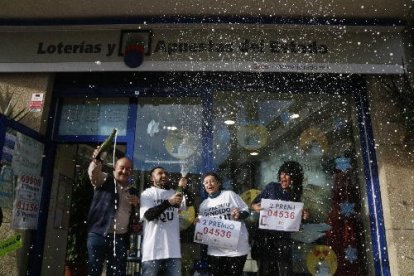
x,y
106,144
179,190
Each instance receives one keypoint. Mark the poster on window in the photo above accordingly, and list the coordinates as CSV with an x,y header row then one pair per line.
x,y
27,156
280,215
26,204
217,232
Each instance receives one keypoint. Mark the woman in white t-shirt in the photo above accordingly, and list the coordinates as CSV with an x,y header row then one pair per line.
x,y
225,205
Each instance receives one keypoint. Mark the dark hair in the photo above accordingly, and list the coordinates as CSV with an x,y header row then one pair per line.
x,y
295,170
213,174
157,167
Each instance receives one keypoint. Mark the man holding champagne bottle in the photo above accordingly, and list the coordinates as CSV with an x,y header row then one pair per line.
x,y
109,216
161,252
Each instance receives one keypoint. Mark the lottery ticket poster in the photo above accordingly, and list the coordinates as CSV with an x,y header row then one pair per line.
x,y
26,205
280,215
217,232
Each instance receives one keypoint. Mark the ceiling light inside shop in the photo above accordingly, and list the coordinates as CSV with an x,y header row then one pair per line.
x,y
229,122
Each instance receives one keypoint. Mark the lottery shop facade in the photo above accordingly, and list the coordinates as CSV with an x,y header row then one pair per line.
x,y
238,99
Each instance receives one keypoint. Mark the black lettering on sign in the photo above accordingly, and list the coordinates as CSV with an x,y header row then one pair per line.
x,y
301,48
192,47
62,48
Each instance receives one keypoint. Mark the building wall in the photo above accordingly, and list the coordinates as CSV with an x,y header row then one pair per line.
x,y
20,87
396,175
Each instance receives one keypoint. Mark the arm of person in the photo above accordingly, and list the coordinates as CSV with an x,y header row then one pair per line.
x,y
256,206
153,212
241,212
156,211
256,203
96,175
244,215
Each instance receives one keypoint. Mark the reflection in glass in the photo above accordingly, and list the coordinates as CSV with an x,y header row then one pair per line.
x,y
168,134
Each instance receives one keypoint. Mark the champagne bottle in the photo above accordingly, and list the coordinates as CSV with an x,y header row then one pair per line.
x,y
179,190
106,144
184,171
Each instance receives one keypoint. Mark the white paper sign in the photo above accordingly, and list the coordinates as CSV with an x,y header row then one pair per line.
x,y
280,215
36,104
217,232
26,205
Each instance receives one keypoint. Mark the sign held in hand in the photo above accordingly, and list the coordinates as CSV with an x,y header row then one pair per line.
x,y
217,232
280,215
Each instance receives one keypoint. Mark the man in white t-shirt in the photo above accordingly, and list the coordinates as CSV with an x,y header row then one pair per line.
x,y
161,251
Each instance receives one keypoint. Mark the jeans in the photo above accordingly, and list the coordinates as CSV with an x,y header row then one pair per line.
x,y
101,248
168,267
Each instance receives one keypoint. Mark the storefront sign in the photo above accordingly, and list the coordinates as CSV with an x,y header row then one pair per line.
x,y
280,215
26,205
191,48
217,232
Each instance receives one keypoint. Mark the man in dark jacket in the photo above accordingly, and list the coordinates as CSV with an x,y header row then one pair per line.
x,y
109,216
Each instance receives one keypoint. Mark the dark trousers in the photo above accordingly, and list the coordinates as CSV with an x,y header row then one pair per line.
x,y
273,256
220,266
102,248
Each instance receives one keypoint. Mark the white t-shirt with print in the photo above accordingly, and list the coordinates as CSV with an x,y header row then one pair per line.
x,y
220,207
161,239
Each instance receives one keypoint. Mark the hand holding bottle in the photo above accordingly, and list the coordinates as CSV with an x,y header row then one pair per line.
x,y
182,183
175,199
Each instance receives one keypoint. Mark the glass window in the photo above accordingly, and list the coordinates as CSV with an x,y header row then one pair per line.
x,y
255,132
93,116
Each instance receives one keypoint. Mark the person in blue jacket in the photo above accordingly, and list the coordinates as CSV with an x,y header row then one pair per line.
x,y
273,249
109,216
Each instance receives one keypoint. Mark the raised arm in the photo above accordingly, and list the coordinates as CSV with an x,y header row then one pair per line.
x,y
96,175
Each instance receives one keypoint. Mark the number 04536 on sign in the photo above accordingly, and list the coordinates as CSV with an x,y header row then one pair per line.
x,y
280,215
217,232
